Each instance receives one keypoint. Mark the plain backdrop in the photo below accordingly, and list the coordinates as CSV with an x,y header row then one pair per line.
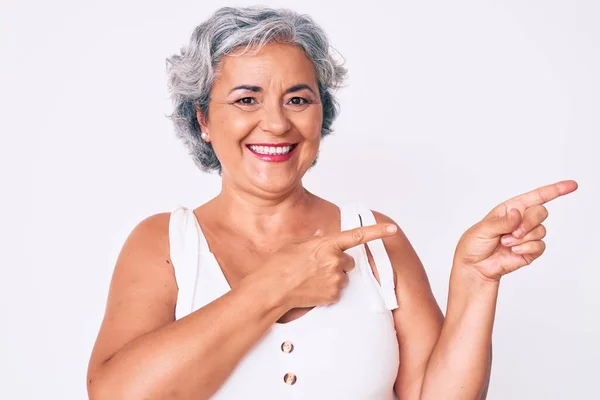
x,y
451,108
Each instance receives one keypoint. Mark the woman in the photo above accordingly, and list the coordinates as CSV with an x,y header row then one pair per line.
x,y
270,292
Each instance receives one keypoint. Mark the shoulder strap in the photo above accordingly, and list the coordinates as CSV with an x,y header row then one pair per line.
x,y
382,261
184,248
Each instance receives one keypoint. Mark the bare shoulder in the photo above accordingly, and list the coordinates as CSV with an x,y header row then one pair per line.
x,y
143,291
150,234
145,253
418,319
397,242
406,262
412,284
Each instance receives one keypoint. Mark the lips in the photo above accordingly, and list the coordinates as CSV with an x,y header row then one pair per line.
x,y
272,152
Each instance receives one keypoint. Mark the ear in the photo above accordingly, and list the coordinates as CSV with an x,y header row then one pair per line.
x,y
202,122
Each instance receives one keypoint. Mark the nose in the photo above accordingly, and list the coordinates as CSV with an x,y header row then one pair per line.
x,y
274,119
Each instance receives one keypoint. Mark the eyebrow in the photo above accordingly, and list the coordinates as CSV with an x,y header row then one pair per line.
x,y
258,89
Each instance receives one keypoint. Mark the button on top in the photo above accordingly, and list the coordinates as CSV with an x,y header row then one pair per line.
x,y
289,378
287,347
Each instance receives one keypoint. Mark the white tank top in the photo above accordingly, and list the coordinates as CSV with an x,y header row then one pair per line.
x,y
347,350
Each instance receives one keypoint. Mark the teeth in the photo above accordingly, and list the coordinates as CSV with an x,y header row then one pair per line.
x,y
271,150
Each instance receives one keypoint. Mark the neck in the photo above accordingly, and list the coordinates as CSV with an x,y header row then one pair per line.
x,y
261,217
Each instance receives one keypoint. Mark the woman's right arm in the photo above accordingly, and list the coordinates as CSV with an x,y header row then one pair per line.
x,y
142,353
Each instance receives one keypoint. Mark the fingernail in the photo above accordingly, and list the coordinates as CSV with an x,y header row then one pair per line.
x,y
391,228
507,240
517,249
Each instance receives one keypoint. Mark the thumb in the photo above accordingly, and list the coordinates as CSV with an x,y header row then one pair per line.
x,y
498,226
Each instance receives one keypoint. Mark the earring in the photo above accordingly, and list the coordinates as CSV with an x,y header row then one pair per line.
x,y
203,135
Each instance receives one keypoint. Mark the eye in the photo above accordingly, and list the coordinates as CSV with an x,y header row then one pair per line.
x,y
246,101
298,101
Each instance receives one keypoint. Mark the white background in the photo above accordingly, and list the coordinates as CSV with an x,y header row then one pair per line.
x,y
451,107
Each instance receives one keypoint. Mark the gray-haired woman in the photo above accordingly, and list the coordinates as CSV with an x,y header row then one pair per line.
x,y
269,291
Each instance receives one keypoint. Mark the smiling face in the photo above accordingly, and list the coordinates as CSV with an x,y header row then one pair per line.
x,y
265,119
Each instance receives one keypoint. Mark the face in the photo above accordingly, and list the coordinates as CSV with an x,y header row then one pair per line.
x,y
265,119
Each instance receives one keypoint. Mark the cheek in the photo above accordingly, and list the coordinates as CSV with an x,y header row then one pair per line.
x,y
242,124
309,123
228,128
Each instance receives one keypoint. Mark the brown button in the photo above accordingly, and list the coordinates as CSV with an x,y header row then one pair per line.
x,y
287,347
289,378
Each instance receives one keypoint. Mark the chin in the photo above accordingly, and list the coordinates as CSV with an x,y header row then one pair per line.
x,y
270,180
273,185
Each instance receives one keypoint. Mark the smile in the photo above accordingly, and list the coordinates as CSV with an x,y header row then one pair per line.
x,y
272,152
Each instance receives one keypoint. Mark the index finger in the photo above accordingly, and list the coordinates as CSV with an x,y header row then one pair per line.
x,y
354,237
539,196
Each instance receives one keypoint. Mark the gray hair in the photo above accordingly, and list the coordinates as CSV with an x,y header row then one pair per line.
x,y
192,72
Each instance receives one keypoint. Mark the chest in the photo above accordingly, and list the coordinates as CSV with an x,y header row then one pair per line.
x,y
236,264
342,351
345,350
237,260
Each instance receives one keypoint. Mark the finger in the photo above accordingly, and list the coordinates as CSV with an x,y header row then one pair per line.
x,y
348,263
544,194
538,196
318,233
532,249
493,227
538,233
354,237
532,217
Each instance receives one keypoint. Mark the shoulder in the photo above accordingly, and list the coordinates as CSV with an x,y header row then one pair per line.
x,y
143,270
146,250
397,242
150,232
412,283
405,261
142,285
153,230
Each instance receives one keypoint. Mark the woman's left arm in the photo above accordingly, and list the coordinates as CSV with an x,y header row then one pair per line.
x,y
419,325
451,358
418,318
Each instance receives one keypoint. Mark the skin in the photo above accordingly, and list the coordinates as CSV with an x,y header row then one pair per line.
x,y
282,252
266,202
459,363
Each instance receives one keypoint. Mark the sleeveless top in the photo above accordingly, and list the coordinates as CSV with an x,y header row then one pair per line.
x,y
347,350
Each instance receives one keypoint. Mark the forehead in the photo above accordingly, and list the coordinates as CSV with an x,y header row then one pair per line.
x,y
275,61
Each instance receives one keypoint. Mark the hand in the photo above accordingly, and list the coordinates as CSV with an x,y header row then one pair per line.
x,y
315,269
510,236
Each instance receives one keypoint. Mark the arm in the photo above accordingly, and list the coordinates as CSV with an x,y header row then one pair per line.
x,y
424,337
418,318
461,361
508,238
141,353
